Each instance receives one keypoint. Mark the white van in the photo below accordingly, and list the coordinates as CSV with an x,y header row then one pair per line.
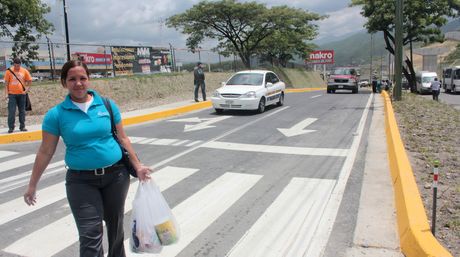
x,y
423,81
454,86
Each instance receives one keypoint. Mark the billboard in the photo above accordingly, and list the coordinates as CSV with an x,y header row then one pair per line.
x,y
94,58
321,57
129,60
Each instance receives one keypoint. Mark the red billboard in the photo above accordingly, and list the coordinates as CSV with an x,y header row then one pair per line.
x,y
93,58
321,57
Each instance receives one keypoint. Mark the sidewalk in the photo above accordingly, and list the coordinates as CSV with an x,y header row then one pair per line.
x,y
376,228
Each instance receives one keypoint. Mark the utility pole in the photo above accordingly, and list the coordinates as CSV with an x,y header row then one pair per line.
x,y
372,45
66,30
397,92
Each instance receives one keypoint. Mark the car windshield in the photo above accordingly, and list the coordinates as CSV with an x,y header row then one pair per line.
x,y
427,79
343,71
247,79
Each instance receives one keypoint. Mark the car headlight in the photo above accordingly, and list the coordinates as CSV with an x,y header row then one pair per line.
x,y
330,80
250,94
216,94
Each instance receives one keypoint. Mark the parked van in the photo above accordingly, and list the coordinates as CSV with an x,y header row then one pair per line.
x,y
454,85
423,81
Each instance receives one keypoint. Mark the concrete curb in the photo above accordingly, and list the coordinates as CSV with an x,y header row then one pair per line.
x,y
415,235
37,135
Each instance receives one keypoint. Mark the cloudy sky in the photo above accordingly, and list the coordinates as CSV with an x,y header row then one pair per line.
x,y
134,22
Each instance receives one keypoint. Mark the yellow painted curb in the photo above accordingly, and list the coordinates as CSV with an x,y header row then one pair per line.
x,y
37,135
415,235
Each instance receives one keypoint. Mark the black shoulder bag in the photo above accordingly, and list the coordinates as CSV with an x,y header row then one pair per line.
x,y
124,152
28,103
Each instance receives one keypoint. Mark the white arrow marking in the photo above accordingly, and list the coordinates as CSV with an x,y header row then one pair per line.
x,y
193,119
205,124
299,128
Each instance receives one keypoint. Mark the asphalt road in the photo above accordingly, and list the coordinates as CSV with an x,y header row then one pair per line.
x,y
240,184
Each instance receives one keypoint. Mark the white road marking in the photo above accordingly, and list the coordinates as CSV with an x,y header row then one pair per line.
x,y
277,149
299,128
18,162
62,233
181,142
288,224
315,96
6,153
147,141
204,125
326,223
135,140
194,143
200,210
164,141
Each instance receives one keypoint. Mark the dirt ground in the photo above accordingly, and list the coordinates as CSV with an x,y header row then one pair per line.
x,y
431,131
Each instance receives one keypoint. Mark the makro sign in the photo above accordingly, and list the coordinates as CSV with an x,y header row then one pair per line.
x,y
321,57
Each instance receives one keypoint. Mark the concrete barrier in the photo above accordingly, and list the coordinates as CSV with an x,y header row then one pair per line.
x,y
414,231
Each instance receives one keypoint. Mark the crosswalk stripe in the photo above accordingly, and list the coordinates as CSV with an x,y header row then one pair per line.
x,y
21,179
194,143
6,153
277,149
62,233
134,140
164,141
180,142
200,210
147,141
288,224
18,162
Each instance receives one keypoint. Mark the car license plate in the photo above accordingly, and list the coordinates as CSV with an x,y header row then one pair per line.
x,y
340,86
228,101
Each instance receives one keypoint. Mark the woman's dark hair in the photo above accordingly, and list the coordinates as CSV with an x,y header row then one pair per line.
x,y
69,65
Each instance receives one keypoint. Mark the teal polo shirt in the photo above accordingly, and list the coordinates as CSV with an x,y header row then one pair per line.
x,y
87,136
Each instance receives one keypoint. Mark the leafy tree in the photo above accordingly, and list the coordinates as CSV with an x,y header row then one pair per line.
x,y
243,27
24,22
421,22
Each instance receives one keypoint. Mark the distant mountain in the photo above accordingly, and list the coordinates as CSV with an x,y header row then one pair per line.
x,y
356,49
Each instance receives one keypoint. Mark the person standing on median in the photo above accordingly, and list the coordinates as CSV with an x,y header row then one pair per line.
x,y
97,182
435,89
198,81
16,80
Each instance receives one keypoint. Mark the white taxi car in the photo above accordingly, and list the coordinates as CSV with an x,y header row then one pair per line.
x,y
249,90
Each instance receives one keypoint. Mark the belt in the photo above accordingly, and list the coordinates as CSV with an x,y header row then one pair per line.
x,y
100,171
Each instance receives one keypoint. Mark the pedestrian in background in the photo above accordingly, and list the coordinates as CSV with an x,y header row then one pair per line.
x,y
198,81
96,181
435,89
17,84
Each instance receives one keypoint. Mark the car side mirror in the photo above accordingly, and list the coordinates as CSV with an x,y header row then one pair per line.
x,y
269,84
222,83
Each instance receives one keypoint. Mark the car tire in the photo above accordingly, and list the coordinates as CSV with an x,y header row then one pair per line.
x,y
328,91
219,111
281,100
261,107
333,91
355,91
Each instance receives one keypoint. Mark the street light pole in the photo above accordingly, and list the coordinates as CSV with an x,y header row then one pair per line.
x,y
66,31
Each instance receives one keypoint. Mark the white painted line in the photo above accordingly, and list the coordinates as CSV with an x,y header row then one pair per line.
x,y
315,96
135,140
277,149
288,223
165,141
181,142
18,162
62,233
194,143
6,153
13,182
147,141
298,128
326,223
200,210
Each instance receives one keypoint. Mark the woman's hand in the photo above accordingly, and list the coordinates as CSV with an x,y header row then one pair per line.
x,y
30,196
143,172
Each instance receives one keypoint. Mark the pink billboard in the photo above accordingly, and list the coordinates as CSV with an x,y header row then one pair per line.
x,y
321,57
94,58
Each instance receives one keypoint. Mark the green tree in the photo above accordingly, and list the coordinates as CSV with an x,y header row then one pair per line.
x,y
23,21
242,27
421,23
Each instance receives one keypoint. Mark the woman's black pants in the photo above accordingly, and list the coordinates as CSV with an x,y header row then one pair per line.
x,y
93,198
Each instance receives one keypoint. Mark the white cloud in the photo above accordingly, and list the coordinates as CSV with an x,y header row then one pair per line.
x,y
142,21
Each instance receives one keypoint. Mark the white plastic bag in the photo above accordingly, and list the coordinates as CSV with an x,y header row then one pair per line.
x,y
152,222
